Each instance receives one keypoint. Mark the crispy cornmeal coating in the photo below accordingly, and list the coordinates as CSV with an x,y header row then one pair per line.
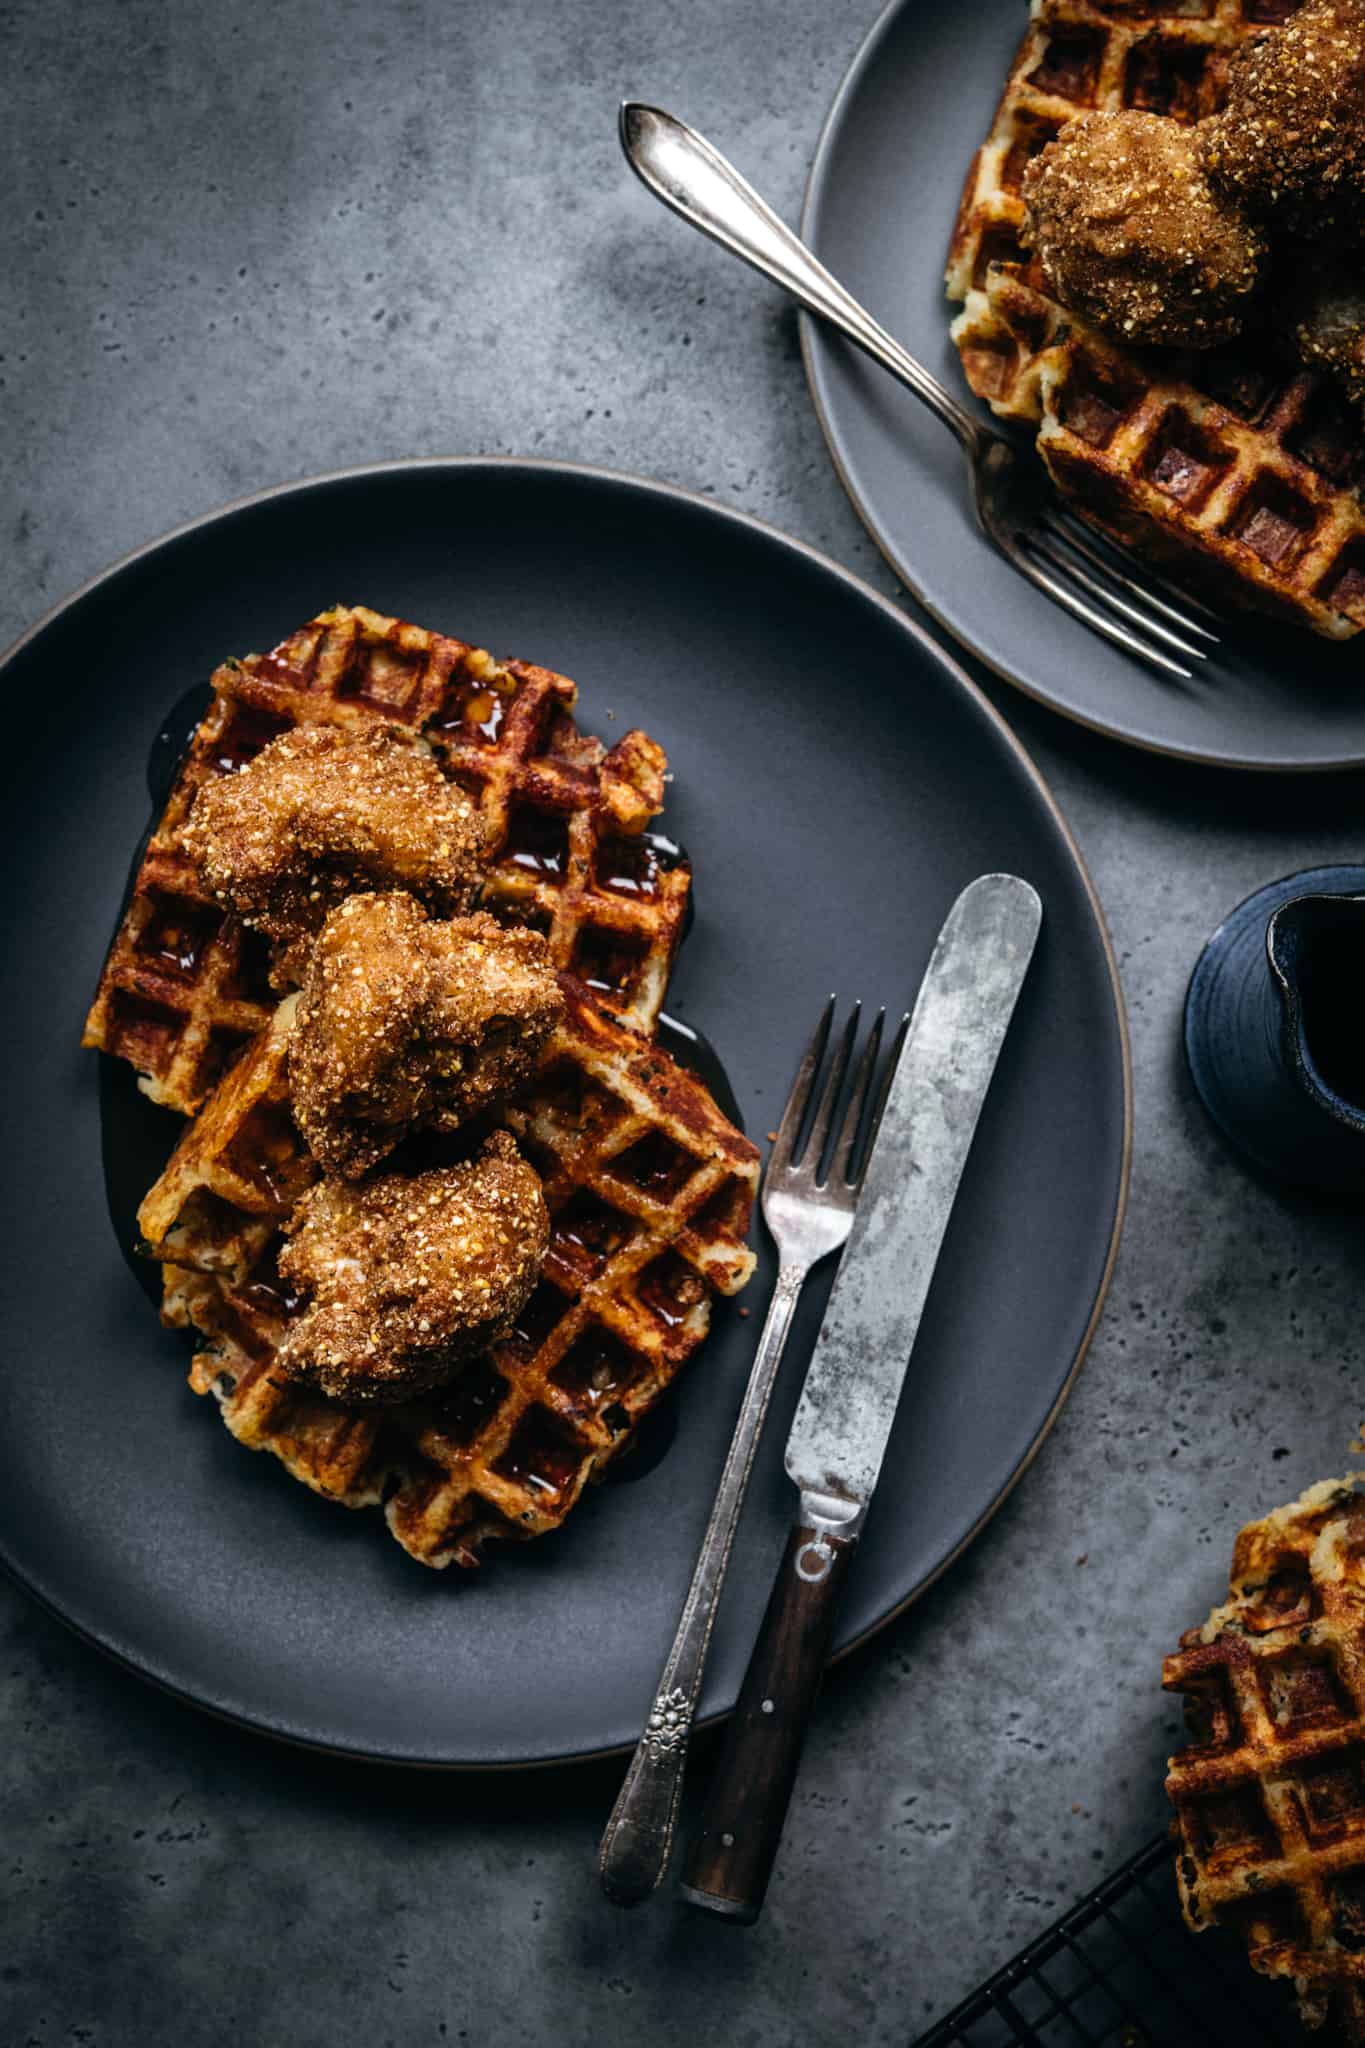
x,y
404,1021
1290,144
320,813
408,1275
1130,234
1327,317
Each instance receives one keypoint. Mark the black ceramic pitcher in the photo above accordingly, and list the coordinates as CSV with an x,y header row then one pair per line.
x,y
1275,1028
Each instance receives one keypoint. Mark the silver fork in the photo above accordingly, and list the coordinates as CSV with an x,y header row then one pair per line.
x,y
808,1215
1013,498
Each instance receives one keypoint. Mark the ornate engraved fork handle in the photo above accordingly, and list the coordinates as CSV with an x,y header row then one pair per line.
x,y
639,1836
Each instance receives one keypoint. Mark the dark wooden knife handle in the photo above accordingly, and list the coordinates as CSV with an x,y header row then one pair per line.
x,y
732,1858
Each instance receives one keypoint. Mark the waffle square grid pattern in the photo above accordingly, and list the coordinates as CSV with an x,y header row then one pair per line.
x,y
1270,1793
185,985
650,1191
1230,460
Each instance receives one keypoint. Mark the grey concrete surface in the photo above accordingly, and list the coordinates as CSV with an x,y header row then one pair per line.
x,y
249,242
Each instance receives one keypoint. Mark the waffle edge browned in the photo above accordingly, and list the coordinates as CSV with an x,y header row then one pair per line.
x,y
1234,468
1269,1795
650,1191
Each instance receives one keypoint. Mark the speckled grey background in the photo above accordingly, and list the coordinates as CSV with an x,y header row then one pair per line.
x,y
246,242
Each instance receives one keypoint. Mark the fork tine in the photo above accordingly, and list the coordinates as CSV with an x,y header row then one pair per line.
x,y
780,1156
875,1120
857,1103
1114,555
1071,534
814,1148
1098,588
1107,628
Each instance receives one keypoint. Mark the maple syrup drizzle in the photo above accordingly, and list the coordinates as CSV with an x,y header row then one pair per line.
x,y
471,1398
172,743
632,867
537,841
269,1290
541,1454
474,710
671,1289
596,1367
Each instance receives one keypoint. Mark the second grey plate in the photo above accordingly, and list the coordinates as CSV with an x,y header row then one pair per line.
x,y
883,195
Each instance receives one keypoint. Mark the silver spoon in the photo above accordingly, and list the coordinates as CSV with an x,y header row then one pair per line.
x,y
1013,498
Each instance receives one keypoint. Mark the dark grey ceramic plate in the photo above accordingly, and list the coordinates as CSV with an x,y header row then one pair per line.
x,y
838,781
879,211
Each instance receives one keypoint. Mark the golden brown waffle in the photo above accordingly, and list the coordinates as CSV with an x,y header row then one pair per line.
x,y
1232,463
1257,489
1270,1795
238,1168
1079,57
650,1191
184,986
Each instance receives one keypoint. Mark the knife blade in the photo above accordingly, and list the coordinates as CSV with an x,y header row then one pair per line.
x,y
966,1000
853,1385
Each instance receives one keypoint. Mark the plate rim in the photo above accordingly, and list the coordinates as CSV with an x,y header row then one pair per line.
x,y
814,337
698,501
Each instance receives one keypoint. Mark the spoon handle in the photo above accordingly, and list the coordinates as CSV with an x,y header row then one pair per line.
x,y
681,168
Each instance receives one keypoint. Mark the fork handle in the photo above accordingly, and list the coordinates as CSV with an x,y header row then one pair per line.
x,y
683,169
732,1858
639,1836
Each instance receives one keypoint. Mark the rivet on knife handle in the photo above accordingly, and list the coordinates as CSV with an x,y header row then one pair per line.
x,y
732,1858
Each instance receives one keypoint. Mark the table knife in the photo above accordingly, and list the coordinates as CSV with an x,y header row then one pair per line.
x,y
848,1403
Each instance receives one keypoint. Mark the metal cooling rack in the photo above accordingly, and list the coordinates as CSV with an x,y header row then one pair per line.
x,y
1121,1970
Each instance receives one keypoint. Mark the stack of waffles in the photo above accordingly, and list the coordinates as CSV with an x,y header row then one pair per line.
x,y
650,1188
1270,1795
1229,463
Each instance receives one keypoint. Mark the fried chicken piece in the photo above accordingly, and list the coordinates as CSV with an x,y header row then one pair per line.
x,y
320,813
408,1276
1290,144
405,1022
1130,234
1326,317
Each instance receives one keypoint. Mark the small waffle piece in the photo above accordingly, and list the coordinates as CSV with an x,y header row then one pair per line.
x,y
1232,463
650,1191
1270,1795
184,987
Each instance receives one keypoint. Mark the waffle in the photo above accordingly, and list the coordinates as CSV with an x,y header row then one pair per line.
x,y
1270,1795
650,1191
1229,463
184,987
